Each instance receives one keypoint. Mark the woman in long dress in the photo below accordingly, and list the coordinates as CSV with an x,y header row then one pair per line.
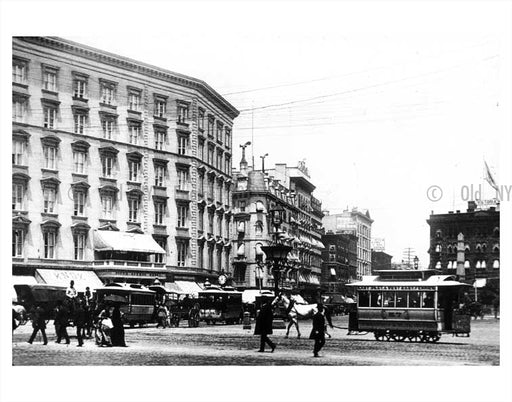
x,y
117,333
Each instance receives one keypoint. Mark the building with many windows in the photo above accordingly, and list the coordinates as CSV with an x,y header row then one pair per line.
x,y
339,265
119,168
479,253
254,195
360,224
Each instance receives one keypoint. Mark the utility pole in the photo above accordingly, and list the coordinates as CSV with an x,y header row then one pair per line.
x,y
408,256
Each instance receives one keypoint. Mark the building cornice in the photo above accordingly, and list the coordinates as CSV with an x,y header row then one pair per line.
x,y
131,65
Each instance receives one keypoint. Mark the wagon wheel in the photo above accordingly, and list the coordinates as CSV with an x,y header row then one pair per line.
x,y
398,336
382,335
415,336
431,337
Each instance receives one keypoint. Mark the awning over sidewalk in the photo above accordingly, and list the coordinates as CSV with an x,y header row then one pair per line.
x,y
184,287
60,277
109,240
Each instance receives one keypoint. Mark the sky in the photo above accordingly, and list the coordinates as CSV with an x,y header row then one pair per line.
x,y
382,99
380,108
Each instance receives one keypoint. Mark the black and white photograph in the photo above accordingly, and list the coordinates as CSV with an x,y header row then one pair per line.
x,y
256,200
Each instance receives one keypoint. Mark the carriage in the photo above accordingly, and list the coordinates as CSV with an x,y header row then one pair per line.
x,y
410,305
47,296
137,303
220,305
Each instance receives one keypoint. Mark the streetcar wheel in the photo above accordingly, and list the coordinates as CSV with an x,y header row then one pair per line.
x,y
397,336
431,337
382,335
415,337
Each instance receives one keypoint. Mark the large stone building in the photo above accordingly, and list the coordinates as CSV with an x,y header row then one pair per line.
x,y
360,224
339,261
255,194
119,168
479,253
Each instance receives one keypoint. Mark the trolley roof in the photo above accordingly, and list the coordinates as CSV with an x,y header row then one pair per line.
x,y
434,280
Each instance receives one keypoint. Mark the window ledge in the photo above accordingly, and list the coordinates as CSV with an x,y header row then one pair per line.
x,y
48,92
48,170
19,85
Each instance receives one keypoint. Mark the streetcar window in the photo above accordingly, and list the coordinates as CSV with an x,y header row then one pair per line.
x,y
364,299
401,299
375,299
414,299
428,300
389,299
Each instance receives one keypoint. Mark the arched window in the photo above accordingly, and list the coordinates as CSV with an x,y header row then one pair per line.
x,y
496,264
438,234
496,231
496,248
438,248
484,247
478,264
483,264
258,227
449,249
467,264
438,265
478,248
467,248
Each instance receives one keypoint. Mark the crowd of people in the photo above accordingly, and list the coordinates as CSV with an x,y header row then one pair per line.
x,y
104,322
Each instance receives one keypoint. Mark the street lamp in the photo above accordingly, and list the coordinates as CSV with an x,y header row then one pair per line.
x,y
276,254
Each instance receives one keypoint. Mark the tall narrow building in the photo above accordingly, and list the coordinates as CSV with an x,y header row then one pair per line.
x,y
120,169
256,193
358,223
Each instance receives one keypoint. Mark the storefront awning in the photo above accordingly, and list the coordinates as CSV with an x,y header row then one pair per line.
x,y
108,240
60,277
184,287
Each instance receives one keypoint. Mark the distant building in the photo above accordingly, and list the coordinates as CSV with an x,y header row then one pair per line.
x,y
481,242
255,193
360,224
381,261
339,265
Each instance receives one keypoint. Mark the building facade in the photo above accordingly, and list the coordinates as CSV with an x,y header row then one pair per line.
x,y
255,194
339,257
118,167
480,242
381,261
360,224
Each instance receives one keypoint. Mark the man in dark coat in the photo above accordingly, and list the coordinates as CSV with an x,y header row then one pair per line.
x,y
318,331
61,322
39,324
264,325
79,320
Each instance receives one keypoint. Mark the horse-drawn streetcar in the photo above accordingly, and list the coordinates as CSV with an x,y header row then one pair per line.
x,y
409,305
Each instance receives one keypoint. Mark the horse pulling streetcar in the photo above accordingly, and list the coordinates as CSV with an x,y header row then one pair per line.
x,y
410,305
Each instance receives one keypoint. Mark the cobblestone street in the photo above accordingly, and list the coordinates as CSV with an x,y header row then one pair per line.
x,y
232,345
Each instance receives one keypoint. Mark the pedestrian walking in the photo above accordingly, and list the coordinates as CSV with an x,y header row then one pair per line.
x,y
318,331
79,319
264,326
161,316
39,324
61,322
117,333
496,306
